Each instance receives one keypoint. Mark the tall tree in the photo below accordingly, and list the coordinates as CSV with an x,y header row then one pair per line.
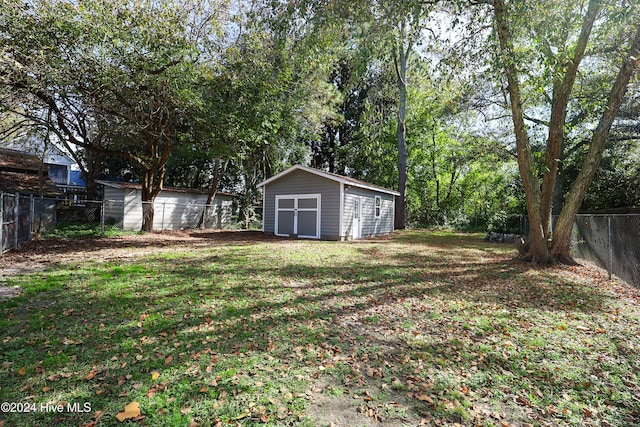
x,y
273,97
387,31
563,49
36,82
141,73
131,65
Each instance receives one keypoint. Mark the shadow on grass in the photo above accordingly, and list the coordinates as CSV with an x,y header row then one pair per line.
x,y
205,320
52,247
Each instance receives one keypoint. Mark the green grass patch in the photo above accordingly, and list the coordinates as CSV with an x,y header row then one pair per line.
x,y
435,326
84,229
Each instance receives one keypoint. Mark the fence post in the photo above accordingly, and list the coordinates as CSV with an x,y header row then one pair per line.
x,y
102,219
32,216
1,221
16,220
609,248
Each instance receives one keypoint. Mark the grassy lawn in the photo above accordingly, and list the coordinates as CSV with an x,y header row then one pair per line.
x,y
422,328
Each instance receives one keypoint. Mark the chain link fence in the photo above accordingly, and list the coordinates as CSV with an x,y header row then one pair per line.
x,y
24,217
611,242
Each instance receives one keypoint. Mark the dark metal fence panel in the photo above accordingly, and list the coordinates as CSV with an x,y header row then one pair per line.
x,y
611,242
590,239
10,221
44,214
12,226
22,216
84,211
7,204
625,247
24,219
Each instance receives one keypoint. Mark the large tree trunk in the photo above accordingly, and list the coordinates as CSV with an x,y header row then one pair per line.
x,y
403,153
562,234
536,250
545,245
148,200
153,181
148,214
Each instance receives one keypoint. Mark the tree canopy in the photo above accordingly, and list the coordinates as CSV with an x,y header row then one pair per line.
x,y
474,111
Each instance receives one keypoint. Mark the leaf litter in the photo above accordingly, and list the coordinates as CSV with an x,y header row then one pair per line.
x,y
412,330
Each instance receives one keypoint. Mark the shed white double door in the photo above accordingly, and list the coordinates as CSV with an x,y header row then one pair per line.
x,y
298,216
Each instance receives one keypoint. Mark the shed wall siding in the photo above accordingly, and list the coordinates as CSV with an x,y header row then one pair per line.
x,y
173,210
299,183
371,226
114,206
132,210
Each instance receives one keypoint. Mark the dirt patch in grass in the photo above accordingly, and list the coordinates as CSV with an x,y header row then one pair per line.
x,y
8,292
366,405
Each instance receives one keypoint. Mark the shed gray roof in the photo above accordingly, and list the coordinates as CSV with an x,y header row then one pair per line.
x,y
332,176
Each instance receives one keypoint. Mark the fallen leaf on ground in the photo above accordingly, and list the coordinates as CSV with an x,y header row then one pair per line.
x,y
132,410
244,414
97,415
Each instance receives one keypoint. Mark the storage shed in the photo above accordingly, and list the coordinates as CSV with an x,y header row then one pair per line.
x,y
174,208
310,203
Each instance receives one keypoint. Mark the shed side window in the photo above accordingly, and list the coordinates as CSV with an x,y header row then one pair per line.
x,y
378,206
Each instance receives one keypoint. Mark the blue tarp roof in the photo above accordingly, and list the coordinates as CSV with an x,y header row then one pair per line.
x,y
76,179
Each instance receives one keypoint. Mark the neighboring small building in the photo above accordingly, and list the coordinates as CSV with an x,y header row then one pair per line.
x,y
64,172
310,203
25,174
175,208
62,169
